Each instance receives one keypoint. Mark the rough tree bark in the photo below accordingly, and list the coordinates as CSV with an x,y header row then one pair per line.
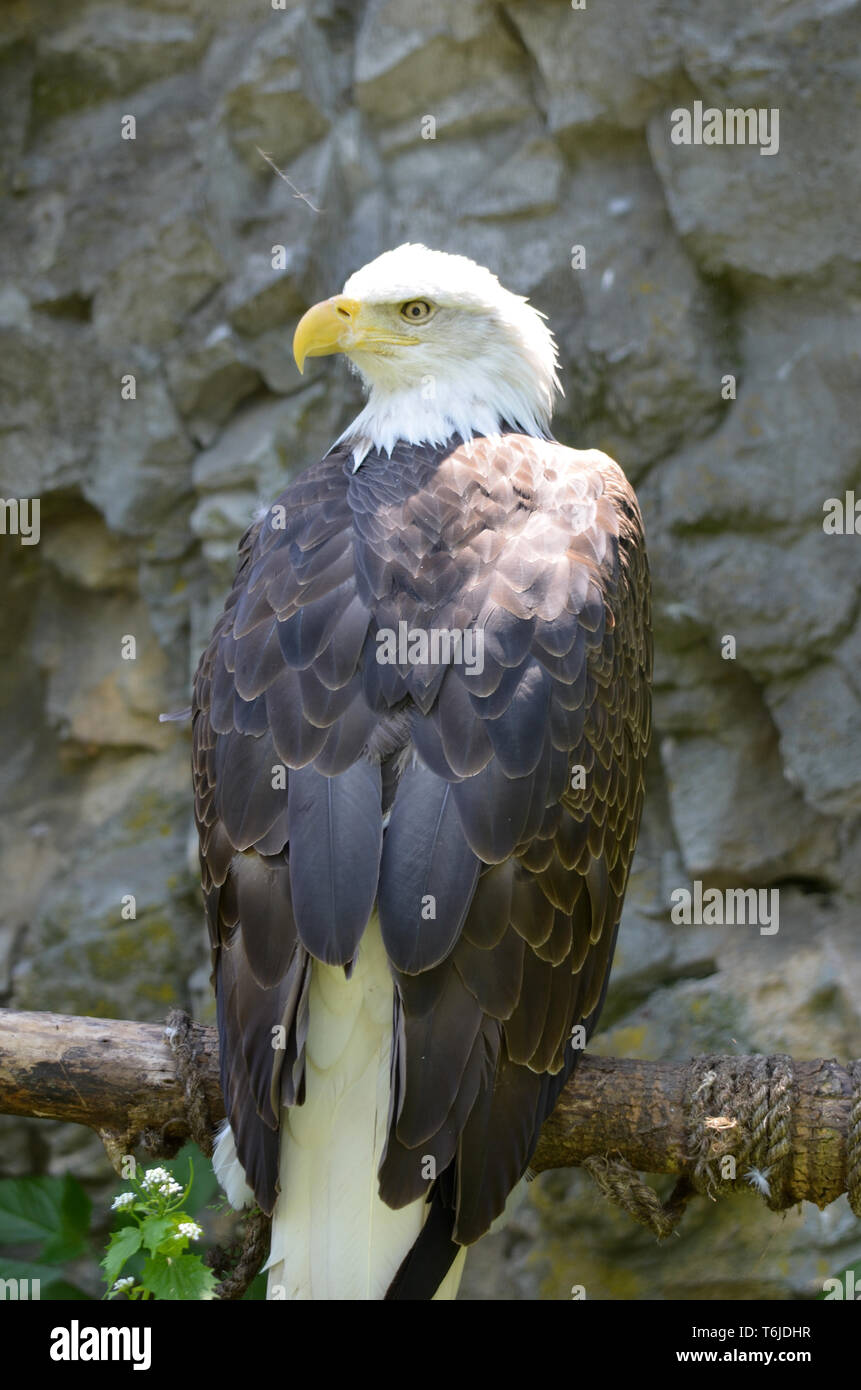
x,y
120,1078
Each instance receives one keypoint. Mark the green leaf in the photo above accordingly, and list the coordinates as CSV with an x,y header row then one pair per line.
x,y
123,1245
256,1290
77,1207
27,1269
61,1291
52,1283
29,1209
53,1210
156,1229
181,1277
75,1212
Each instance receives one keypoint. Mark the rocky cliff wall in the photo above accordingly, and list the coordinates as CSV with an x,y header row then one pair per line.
x,y
706,301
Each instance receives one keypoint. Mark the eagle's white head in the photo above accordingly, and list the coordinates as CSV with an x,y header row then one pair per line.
x,y
442,348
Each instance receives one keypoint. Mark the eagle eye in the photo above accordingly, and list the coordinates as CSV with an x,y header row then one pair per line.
x,y
416,310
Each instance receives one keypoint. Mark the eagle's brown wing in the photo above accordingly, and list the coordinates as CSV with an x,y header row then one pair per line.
x,y
500,874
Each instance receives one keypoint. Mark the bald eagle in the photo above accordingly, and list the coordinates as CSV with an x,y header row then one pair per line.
x,y
419,735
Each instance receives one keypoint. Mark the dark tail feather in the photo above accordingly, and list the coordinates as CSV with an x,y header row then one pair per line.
x,y
431,1257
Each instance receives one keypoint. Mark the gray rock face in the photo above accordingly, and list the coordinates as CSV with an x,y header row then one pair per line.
x,y
705,297
767,221
279,98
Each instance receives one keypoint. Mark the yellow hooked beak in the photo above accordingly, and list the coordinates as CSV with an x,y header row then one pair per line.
x,y
340,324
327,327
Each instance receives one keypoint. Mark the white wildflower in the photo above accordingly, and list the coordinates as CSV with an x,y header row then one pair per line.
x,y
159,1181
190,1229
124,1283
154,1177
124,1200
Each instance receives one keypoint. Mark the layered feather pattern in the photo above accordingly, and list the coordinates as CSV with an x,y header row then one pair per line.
x,y
510,787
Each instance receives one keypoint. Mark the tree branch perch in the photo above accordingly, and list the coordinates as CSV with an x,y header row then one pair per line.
x,y
120,1078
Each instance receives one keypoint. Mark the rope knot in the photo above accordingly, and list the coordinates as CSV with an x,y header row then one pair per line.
x,y
739,1125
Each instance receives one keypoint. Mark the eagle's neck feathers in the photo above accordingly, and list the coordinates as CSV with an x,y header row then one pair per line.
x,y
509,388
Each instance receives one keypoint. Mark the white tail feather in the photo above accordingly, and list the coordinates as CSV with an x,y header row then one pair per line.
x,y
229,1171
332,1236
